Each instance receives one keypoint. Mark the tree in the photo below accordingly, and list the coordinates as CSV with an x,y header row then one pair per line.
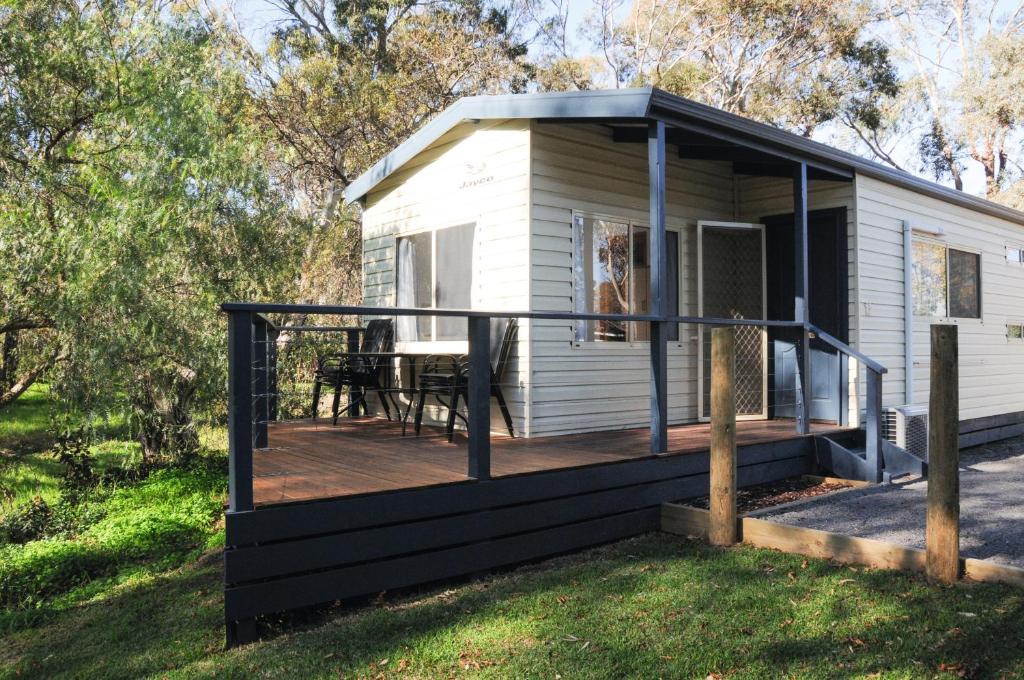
x,y
343,82
966,60
796,64
134,200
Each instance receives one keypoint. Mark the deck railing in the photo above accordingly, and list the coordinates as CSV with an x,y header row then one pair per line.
x,y
253,392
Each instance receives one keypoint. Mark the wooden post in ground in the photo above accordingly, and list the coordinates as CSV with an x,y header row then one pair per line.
x,y
723,527
942,535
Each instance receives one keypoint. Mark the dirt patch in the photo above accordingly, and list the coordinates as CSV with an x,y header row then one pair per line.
x,y
771,494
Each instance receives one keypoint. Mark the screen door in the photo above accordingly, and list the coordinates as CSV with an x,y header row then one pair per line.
x,y
731,285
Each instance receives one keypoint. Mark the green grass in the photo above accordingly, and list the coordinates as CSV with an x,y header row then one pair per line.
x,y
657,606
23,424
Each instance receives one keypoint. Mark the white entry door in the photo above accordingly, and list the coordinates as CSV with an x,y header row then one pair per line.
x,y
731,285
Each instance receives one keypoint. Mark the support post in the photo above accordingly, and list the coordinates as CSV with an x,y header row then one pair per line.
x,y
240,411
261,381
800,297
942,535
352,347
478,401
873,425
722,529
658,288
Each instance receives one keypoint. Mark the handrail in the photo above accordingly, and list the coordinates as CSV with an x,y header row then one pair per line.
x,y
846,349
337,310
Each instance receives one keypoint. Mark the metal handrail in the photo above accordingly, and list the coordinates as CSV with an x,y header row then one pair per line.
x,y
846,349
337,310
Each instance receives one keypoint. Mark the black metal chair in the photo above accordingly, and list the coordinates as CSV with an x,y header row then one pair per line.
x,y
446,377
360,371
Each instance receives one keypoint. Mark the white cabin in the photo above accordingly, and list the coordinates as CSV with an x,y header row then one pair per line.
x,y
544,202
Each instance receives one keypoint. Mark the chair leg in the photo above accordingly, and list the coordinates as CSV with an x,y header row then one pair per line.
x,y
336,403
453,410
496,392
382,395
316,398
420,400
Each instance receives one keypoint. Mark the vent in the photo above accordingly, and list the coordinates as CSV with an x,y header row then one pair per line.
x,y
907,428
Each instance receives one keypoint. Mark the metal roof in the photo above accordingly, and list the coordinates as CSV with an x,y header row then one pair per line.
x,y
642,104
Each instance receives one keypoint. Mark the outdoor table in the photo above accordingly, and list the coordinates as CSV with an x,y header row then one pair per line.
x,y
409,390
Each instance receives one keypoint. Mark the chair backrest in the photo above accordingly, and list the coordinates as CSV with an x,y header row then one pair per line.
x,y
503,337
378,336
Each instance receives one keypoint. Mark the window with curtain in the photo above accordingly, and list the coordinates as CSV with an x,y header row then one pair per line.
x,y
435,269
612,272
946,281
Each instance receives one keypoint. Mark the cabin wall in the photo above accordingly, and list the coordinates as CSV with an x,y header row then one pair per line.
x,y
474,173
761,197
606,385
991,365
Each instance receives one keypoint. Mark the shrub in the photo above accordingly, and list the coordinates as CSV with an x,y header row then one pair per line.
x,y
166,515
26,522
72,451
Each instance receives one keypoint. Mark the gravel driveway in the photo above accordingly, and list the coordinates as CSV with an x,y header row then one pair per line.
x,y
991,507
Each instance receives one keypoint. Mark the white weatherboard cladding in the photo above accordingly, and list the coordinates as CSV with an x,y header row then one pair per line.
x,y
602,385
991,368
474,173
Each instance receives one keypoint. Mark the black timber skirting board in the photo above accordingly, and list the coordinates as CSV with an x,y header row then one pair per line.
x,y
977,431
296,555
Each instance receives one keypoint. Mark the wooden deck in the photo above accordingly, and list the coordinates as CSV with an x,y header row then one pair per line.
x,y
307,460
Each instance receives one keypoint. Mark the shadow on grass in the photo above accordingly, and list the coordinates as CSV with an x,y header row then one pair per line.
x,y
654,606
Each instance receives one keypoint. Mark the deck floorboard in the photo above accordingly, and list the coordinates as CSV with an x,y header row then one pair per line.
x,y
306,460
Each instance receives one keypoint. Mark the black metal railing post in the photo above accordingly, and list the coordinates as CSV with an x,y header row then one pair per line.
x,y
478,401
240,410
261,381
873,429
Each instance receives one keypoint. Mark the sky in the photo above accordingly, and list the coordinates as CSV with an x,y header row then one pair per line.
x,y
258,18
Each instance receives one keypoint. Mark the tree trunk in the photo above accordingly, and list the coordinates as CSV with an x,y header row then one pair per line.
x,y
8,360
164,411
21,385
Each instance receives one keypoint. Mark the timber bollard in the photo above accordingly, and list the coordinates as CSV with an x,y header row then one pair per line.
x,y
942,533
722,529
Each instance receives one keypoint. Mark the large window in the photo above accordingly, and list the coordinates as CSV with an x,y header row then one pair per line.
x,y
946,281
435,269
612,273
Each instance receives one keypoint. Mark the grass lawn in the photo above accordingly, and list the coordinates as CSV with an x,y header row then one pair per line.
x,y
657,606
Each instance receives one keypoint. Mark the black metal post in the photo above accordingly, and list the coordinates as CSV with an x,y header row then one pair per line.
x,y
800,297
240,411
352,347
478,401
873,413
659,288
261,381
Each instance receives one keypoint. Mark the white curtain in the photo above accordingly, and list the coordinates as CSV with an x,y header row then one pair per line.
x,y
406,288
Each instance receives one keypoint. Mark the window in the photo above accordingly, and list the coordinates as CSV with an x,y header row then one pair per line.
x,y
1015,331
435,269
1014,254
612,271
946,281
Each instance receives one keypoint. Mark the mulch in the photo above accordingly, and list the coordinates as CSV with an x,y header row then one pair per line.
x,y
775,493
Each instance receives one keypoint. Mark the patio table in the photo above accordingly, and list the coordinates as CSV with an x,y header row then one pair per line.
x,y
411,359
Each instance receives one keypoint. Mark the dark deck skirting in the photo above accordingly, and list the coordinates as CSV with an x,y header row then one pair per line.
x,y
293,555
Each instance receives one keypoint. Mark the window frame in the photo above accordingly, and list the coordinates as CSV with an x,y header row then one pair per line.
x,y
434,344
981,273
1020,338
630,342
1019,249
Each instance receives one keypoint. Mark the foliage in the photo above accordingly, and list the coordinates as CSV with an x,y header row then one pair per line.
x,y
657,606
136,199
27,523
72,451
965,66
168,513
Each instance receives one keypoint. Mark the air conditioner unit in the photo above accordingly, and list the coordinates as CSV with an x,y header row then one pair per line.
x,y
907,428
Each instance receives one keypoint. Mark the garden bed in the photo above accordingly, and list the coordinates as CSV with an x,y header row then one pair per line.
x,y
783,491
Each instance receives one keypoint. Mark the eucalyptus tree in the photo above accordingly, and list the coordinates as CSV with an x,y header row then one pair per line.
x,y
134,198
965,65
344,81
797,64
